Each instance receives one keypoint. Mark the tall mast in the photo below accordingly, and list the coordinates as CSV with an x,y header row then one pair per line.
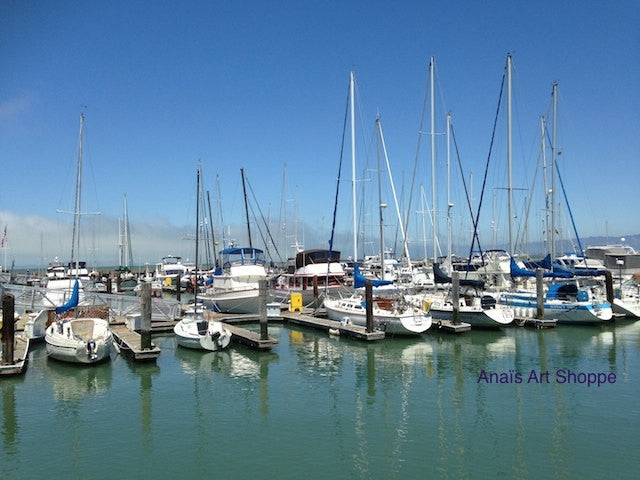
x,y
547,225
449,204
381,206
434,209
75,242
246,207
509,158
213,234
195,289
353,164
554,153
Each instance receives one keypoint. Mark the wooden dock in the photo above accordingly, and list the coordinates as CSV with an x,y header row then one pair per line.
x,y
129,343
20,353
537,322
450,327
355,331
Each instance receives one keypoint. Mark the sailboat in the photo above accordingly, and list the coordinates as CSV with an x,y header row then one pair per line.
x,y
393,314
195,331
78,340
73,339
563,301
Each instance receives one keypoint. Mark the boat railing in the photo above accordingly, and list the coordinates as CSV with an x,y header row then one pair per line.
x,y
36,298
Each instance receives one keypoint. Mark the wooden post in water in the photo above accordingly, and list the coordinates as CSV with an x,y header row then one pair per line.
x,y
368,299
315,292
8,329
109,286
118,282
539,295
145,323
608,281
455,296
262,286
178,287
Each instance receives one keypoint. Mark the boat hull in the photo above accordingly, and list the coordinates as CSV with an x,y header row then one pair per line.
x,y
245,301
70,341
477,318
412,322
566,312
199,334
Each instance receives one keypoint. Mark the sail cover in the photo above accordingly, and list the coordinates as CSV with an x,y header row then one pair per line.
x,y
73,301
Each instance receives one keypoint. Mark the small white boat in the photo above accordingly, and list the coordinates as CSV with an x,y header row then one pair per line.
x,y
198,333
195,331
79,340
392,316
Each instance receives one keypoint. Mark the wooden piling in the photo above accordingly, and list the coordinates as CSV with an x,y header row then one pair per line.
x,y
178,287
608,281
109,284
455,296
368,298
262,286
539,295
8,328
316,304
145,323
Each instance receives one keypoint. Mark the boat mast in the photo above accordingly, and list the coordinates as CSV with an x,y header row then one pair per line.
x,y
433,158
554,152
353,164
547,225
75,241
509,158
449,204
405,245
381,206
246,207
195,287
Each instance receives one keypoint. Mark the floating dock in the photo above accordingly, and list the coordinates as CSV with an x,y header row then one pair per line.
x,y
355,331
20,353
450,327
130,343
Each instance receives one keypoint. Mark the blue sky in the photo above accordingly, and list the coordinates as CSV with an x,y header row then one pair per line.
x,y
261,85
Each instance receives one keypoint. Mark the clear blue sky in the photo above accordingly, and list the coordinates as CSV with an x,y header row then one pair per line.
x,y
261,85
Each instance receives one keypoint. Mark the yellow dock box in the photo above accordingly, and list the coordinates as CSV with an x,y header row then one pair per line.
x,y
295,302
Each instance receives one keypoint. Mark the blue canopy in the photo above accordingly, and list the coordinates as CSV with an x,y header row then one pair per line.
x,y
73,301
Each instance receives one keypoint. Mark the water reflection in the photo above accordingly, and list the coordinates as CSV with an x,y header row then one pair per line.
x,y
71,382
145,372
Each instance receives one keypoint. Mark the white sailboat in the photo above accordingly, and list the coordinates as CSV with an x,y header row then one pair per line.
x,y
194,331
393,316
78,340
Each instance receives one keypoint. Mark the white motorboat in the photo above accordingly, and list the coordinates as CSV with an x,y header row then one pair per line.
x,y
199,333
395,317
235,287
320,264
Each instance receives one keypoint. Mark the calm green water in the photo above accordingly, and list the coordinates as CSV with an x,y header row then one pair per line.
x,y
318,407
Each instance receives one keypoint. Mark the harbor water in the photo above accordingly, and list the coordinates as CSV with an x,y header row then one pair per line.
x,y
518,404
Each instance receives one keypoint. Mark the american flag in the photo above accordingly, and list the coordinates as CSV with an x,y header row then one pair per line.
x,y
4,236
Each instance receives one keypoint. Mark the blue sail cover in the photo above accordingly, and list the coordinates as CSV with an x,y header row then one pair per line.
x,y
579,272
73,301
516,271
359,279
441,277
545,263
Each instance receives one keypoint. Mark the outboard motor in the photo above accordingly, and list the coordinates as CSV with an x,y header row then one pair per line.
x,y
91,349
